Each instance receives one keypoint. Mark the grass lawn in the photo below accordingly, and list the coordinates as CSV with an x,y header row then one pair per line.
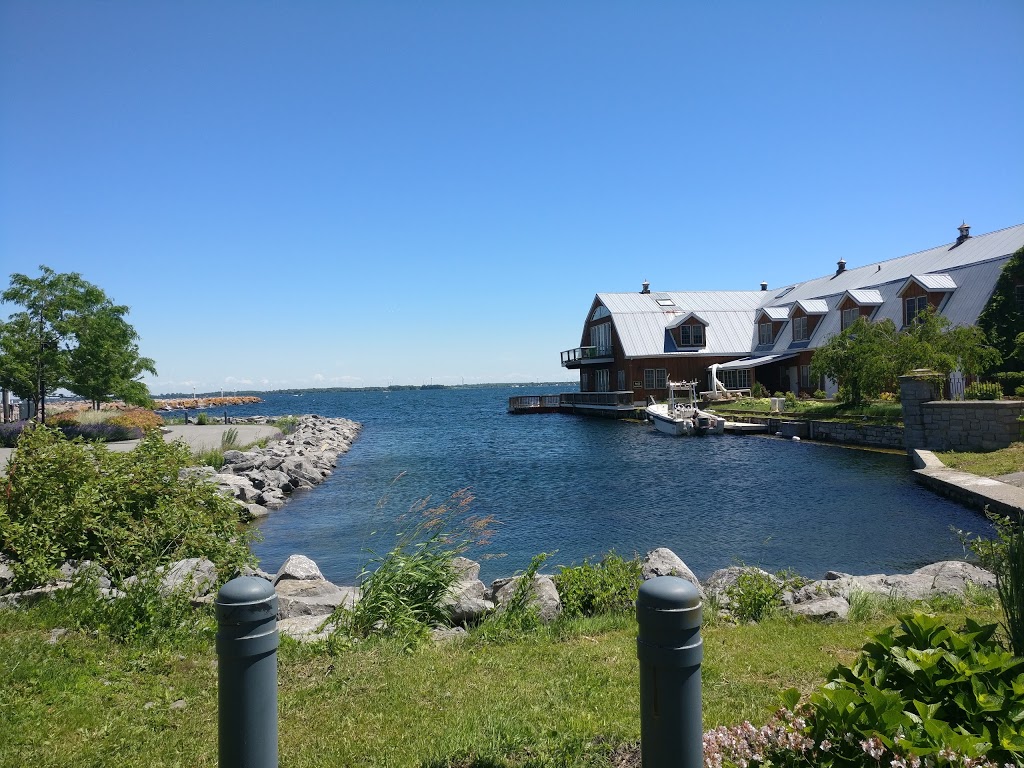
x,y
565,696
991,464
823,410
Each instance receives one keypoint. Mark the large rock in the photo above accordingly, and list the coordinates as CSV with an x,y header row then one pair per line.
x,y
724,580
312,597
664,562
197,574
949,577
298,567
305,629
543,596
822,609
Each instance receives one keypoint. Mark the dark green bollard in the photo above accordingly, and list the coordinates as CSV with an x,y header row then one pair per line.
x,y
668,644
247,687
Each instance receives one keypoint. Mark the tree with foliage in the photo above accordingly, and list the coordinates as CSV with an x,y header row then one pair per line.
x,y
1002,319
69,334
868,358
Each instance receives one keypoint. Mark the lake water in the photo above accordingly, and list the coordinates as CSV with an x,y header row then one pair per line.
x,y
580,486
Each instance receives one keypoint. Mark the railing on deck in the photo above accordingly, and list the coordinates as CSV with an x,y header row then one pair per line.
x,y
528,402
604,399
581,354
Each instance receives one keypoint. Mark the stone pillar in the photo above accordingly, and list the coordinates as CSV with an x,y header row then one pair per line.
x,y
917,388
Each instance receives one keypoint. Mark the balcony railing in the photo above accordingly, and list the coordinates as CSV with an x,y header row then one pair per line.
x,y
572,358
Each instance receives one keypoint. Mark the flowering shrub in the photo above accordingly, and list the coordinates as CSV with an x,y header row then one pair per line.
x,y
61,418
137,417
10,432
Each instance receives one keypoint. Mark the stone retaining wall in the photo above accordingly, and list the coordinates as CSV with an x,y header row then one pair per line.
x,y
846,433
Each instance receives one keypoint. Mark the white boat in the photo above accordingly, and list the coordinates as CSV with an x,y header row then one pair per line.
x,y
681,416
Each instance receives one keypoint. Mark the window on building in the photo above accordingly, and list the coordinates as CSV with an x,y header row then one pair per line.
x,y
735,379
915,305
601,338
800,328
655,378
691,335
601,380
765,333
850,317
620,381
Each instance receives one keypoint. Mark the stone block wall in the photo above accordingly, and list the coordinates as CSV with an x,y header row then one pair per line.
x,y
971,425
874,435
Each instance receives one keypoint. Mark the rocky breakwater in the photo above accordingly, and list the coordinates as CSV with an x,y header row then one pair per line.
x,y
261,479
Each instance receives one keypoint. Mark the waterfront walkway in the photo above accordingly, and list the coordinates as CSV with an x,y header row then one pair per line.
x,y
197,437
1003,495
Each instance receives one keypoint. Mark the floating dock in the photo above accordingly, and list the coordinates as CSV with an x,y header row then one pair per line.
x,y
741,428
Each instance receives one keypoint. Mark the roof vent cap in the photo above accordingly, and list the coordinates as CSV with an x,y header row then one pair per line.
x,y
764,285
646,287
965,232
840,266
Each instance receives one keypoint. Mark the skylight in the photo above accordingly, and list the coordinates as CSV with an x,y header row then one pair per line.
x,y
666,303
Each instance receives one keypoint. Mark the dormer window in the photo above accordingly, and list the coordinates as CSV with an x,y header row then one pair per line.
x,y
914,306
800,328
765,333
858,303
850,316
691,335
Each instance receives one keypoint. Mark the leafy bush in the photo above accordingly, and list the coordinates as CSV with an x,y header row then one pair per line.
x,y
61,418
287,424
404,590
10,432
758,390
202,419
819,394
142,614
982,390
609,586
104,433
1010,381
790,401
125,511
519,615
1004,556
137,417
917,695
756,595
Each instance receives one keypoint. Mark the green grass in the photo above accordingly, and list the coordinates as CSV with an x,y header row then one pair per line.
x,y
824,410
565,695
991,464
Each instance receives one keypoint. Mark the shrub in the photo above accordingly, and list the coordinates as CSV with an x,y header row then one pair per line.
x,y
981,390
66,500
777,394
1012,382
202,419
819,394
404,590
10,432
888,397
137,417
287,424
519,615
790,401
61,418
609,586
758,390
104,433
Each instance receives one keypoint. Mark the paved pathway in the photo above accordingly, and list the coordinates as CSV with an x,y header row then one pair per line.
x,y
197,437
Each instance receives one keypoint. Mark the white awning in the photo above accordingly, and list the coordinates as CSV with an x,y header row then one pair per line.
x,y
753,362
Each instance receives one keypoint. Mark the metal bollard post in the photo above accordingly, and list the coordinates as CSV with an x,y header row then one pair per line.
x,y
247,678
670,649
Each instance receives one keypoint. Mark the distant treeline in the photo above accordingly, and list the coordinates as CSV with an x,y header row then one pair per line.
x,y
390,388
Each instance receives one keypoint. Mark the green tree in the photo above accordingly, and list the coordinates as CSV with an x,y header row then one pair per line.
x,y
60,312
106,360
1001,319
868,358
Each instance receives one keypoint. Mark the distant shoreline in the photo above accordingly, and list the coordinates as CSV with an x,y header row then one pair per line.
x,y
389,388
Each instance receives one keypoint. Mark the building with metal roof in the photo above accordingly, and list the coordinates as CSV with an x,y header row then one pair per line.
x,y
637,342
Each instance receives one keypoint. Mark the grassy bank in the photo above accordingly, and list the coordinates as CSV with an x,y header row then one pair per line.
x,y
819,410
992,464
565,695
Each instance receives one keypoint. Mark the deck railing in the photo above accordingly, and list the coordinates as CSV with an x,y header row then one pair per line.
x,y
605,399
580,354
523,402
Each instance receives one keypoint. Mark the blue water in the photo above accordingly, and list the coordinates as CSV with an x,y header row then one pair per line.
x,y
580,486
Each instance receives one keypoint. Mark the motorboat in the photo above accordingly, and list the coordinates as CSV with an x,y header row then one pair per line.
x,y
680,416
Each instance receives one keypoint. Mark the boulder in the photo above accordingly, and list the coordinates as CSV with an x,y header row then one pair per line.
x,y
71,569
6,575
198,574
305,629
822,609
312,597
543,596
298,567
448,634
723,580
664,562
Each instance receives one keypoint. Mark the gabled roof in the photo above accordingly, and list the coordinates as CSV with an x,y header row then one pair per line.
x,y
685,319
967,273
810,307
775,313
865,297
931,282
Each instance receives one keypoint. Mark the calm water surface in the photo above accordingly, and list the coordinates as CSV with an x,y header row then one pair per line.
x,y
581,486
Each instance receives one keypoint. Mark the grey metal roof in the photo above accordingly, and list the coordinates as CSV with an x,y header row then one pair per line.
x,y
811,306
753,362
934,282
867,297
970,268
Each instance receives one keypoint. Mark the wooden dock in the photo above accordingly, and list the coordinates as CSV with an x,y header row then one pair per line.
x,y
616,405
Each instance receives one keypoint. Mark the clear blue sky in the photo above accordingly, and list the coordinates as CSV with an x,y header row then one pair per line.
x,y
355,193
